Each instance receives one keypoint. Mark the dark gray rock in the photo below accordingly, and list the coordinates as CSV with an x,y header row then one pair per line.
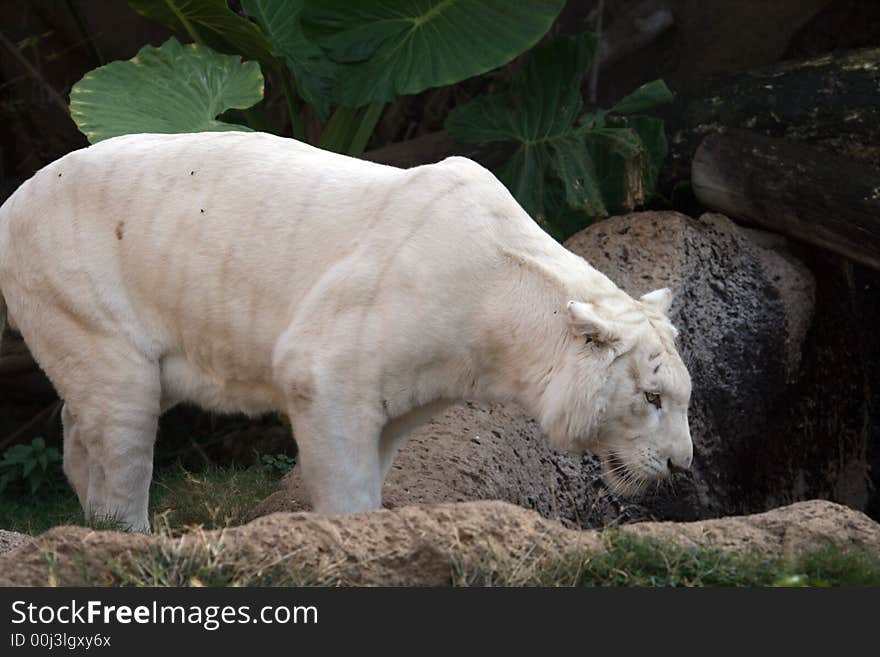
x,y
825,442
11,540
743,305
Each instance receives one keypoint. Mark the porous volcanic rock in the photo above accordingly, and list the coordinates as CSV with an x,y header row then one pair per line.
x,y
12,540
743,305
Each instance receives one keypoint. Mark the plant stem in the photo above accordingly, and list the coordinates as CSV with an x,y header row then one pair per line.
x,y
594,73
34,73
84,30
367,123
296,123
339,130
257,119
189,27
44,416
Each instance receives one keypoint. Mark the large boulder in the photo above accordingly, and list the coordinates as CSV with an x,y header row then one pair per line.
x,y
743,305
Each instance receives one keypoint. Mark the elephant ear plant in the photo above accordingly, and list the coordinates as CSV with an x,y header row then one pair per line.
x,y
351,57
568,167
347,59
172,88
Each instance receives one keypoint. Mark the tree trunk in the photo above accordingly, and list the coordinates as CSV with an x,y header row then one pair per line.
x,y
831,102
802,192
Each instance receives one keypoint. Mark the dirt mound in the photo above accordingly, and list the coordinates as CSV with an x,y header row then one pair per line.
x,y
417,545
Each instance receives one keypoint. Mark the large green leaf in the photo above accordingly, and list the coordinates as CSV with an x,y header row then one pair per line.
x,y
211,22
314,72
536,106
538,110
563,164
169,89
646,97
628,157
398,47
652,133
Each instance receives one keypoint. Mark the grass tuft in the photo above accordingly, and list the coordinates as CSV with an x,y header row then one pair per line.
x,y
212,498
633,561
832,566
202,561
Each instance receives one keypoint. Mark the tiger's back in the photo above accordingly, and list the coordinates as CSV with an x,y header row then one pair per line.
x,y
197,248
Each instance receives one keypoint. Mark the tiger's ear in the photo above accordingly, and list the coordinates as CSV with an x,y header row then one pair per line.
x,y
659,300
586,321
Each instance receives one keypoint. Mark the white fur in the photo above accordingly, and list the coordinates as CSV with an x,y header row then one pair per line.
x,y
245,272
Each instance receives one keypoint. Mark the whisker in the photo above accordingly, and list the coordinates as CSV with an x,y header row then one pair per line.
x,y
622,463
617,468
632,482
624,473
640,484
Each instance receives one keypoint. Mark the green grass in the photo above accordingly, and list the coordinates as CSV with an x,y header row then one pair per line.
x,y
629,561
832,567
213,498
633,561
35,514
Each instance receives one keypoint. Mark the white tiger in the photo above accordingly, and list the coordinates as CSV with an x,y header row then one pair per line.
x,y
247,272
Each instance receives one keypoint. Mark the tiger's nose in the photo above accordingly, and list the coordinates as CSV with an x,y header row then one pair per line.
x,y
680,454
678,468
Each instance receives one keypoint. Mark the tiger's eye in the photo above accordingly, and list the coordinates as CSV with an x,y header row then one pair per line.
x,y
653,398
